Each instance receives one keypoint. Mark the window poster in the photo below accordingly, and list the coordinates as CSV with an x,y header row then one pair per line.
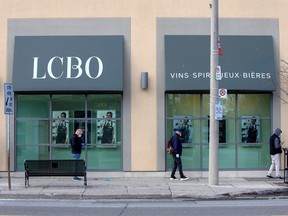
x,y
106,126
250,129
185,124
60,126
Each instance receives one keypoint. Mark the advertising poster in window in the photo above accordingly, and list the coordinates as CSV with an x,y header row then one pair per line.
x,y
106,127
185,124
250,129
60,126
222,130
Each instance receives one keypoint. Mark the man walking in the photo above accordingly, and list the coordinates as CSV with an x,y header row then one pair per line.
x,y
275,152
76,145
177,152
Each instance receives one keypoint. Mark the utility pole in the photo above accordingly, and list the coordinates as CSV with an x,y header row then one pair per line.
x,y
214,124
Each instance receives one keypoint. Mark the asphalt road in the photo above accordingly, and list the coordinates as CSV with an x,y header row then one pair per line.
x,y
143,207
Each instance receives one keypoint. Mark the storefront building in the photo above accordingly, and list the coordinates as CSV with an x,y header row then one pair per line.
x,y
245,128
81,67
64,82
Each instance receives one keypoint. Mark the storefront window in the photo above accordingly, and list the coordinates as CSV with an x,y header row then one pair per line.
x,y
254,111
33,106
254,130
32,128
240,111
106,132
179,105
105,118
43,133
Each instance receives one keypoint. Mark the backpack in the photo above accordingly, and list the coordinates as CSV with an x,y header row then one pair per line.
x,y
170,146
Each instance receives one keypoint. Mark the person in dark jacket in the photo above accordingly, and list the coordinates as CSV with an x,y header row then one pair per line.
x,y
275,152
76,147
177,153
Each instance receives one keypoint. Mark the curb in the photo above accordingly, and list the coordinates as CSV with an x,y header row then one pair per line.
x,y
241,196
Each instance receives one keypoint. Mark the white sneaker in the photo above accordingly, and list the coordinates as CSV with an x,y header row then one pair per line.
x,y
173,178
184,178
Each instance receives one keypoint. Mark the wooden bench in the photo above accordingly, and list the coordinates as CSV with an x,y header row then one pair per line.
x,y
54,168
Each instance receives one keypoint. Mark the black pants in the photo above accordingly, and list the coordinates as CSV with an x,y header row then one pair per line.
x,y
177,163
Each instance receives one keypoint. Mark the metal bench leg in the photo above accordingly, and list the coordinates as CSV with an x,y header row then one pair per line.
x,y
85,180
26,180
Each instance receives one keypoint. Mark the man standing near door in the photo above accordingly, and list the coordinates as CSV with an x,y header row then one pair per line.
x,y
76,145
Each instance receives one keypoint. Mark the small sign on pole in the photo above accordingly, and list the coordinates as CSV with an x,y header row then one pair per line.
x,y
222,93
8,99
218,110
8,110
218,73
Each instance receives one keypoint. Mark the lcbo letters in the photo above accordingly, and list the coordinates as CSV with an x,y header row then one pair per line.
x,y
96,64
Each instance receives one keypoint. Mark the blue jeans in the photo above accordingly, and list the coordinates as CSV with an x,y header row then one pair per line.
x,y
75,157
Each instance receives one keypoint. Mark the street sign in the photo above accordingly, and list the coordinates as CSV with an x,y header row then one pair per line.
x,y
222,93
218,110
8,99
218,73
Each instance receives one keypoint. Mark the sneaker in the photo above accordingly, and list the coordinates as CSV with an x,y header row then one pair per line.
x,y
76,179
184,178
173,178
269,176
279,177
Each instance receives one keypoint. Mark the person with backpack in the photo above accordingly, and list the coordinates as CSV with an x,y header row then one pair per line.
x,y
177,152
275,152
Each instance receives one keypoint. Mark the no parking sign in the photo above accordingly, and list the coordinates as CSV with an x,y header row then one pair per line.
x,y
222,93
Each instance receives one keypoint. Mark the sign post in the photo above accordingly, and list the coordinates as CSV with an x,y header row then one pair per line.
x,y
8,110
215,108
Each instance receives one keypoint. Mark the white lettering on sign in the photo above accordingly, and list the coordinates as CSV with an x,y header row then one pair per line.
x,y
100,67
76,67
72,69
49,67
224,75
179,75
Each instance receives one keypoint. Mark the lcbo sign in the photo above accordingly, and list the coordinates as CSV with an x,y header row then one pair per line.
x,y
66,63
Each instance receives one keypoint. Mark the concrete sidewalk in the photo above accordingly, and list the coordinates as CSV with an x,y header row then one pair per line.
x,y
142,188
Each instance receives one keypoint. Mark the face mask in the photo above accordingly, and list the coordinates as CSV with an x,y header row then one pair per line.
x,y
79,135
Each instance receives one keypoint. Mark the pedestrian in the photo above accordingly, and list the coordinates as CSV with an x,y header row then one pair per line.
x,y
275,152
177,153
76,146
